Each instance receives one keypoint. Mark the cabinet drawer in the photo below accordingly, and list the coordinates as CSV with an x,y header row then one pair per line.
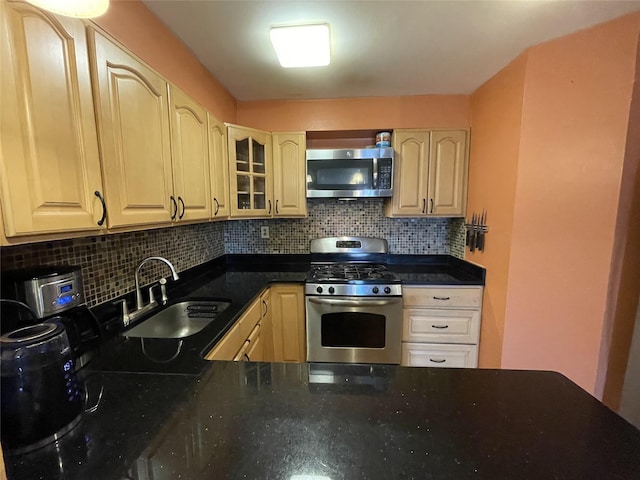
x,y
228,347
250,318
435,355
445,297
440,326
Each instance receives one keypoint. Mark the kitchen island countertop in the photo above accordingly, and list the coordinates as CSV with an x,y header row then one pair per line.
x,y
166,416
327,421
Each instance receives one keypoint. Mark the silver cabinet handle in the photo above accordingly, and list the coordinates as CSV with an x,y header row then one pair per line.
x,y
437,361
441,298
440,326
352,303
269,212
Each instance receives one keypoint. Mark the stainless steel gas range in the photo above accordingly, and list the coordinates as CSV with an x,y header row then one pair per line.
x,y
354,302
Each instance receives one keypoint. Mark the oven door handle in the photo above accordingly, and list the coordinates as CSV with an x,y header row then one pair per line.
x,y
354,303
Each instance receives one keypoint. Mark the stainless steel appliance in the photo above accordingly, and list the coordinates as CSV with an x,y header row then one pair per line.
x,y
350,173
53,293
47,335
353,302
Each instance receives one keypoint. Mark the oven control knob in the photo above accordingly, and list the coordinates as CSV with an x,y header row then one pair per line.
x,y
319,289
375,290
387,290
332,290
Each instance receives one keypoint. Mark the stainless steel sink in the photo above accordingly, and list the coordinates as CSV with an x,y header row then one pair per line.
x,y
179,320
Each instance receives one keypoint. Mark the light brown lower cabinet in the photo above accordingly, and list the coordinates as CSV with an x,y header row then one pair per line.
x,y
289,337
441,326
270,330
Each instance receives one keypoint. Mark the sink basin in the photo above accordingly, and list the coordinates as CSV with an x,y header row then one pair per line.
x,y
179,320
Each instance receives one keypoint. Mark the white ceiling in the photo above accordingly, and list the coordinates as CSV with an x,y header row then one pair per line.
x,y
378,48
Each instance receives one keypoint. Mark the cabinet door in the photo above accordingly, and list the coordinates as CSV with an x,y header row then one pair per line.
x,y
287,302
133,125
410,174
219,168
266,331
190,156
289,174
448,172
250,172
49,161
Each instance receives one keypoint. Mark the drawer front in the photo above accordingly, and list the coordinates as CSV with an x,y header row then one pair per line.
x,y
228,347
250,318
442,297
434,355
440,326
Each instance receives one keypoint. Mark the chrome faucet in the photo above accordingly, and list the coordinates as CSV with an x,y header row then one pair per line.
x,y
174,275
140,308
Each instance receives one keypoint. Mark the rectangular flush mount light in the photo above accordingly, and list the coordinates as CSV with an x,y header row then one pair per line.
x,y
302,45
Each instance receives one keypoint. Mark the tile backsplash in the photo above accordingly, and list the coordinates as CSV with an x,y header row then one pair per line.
x,y
108,262
333,218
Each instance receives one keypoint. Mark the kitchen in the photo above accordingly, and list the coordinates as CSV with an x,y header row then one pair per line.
x,y
504,139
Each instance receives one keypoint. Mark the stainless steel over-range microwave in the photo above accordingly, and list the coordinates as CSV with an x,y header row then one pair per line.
x,y
366,172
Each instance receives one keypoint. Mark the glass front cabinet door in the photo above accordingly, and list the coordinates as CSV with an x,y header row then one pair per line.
x,y
250,172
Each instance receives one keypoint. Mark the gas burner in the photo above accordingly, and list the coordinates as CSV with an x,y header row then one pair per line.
x,y
340,272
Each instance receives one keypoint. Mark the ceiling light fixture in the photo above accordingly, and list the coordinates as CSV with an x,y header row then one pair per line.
x,y
302,45
73,8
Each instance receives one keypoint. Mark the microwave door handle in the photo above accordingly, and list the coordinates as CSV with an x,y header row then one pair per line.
x,y
354,303
375,173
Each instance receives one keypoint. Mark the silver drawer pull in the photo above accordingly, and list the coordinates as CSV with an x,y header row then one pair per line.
x,y
441,298
437,361
439,326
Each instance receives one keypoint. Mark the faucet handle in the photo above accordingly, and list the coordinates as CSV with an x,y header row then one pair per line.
x,y
152,297
125,311
163,290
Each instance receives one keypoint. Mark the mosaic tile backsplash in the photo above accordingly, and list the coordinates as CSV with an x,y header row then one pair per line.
x,y
333,218
108,262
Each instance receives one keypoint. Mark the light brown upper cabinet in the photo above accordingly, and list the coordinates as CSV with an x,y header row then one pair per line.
x,y
132,112
49,160
219,167
431,173
249,172
289,174
190,157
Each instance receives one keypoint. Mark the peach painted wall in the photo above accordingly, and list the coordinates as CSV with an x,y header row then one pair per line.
x,y
496,111
625,293
577,98
133,25
374,113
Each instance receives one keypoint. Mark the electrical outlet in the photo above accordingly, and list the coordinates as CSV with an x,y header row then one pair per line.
x,y
264,232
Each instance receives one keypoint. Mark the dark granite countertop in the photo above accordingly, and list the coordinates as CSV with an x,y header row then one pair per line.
x,y
238,279
324,421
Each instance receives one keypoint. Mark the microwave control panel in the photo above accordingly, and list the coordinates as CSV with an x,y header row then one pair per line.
x,y
385,173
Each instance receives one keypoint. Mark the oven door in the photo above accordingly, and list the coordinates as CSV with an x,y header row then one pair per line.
x,y
354,329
